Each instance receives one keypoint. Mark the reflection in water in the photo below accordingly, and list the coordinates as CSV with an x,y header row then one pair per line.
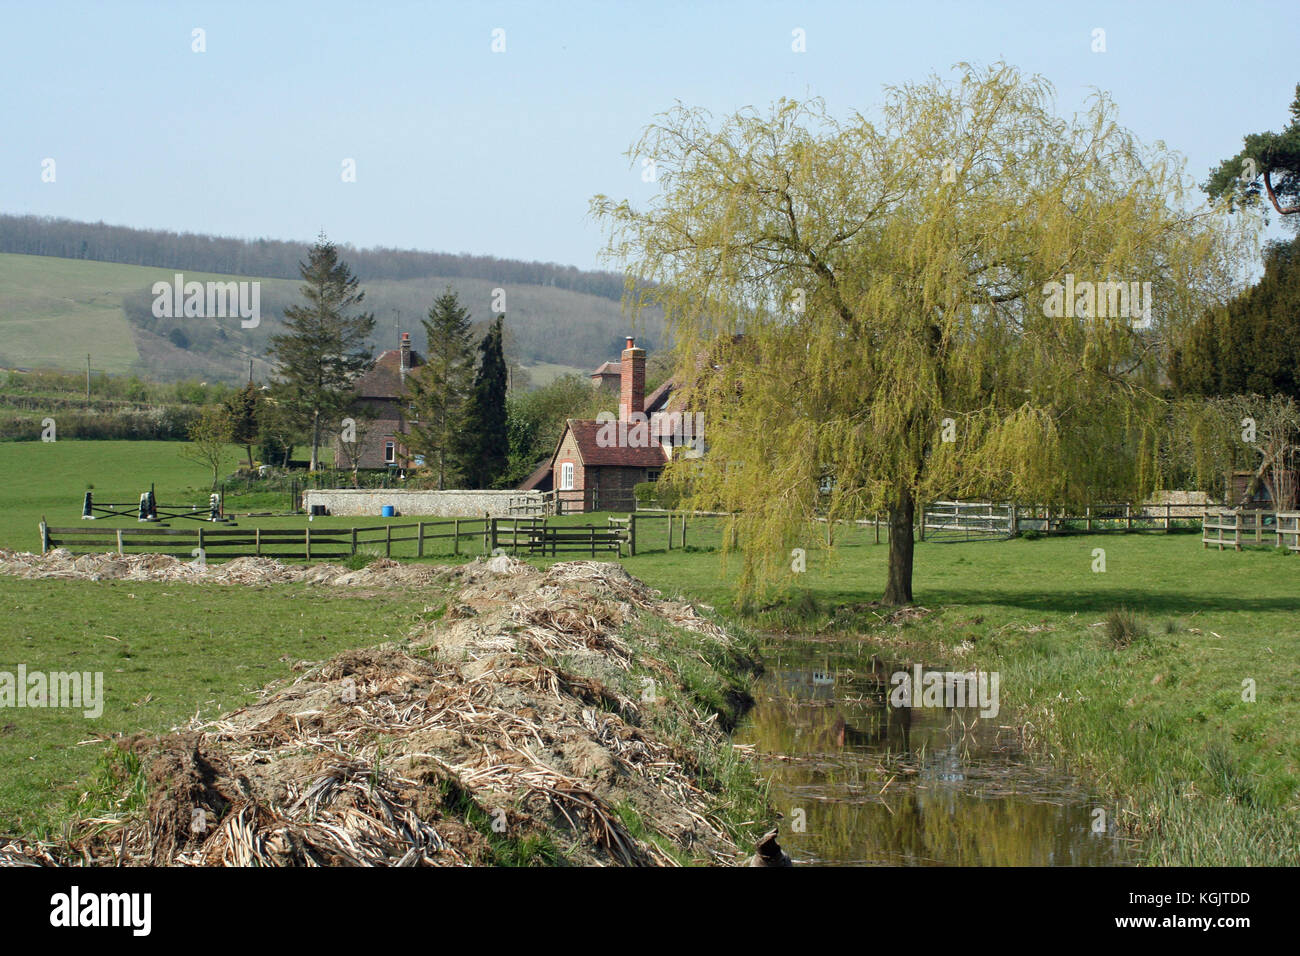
x,y
875,784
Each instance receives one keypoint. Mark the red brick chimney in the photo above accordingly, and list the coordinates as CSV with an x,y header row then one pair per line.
x,y
632,398
406,353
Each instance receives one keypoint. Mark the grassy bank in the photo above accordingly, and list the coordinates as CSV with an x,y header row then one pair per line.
x,y
1154,714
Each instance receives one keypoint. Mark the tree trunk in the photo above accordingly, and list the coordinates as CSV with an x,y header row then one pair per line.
x,y
315,440
901,518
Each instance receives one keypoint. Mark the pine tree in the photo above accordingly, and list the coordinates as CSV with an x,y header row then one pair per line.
x,y
440,389
486,445
325,348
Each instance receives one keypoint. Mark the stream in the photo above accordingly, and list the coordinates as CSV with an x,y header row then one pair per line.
x,y
863,783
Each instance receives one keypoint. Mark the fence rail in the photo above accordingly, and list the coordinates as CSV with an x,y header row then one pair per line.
x,y
308,543
1250,526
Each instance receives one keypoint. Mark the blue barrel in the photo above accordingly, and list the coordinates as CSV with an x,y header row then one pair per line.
x,y
387,511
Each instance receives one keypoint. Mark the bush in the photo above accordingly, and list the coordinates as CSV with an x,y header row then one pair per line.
x,y
657,494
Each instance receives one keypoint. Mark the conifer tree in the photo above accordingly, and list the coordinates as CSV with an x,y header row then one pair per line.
x,y
486,446
440,389
325,348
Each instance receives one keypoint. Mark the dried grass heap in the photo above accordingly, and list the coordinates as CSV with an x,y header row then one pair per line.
x,y
514,729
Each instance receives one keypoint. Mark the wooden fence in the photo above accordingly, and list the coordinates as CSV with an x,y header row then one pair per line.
x,y
466,535
633,532
1234,527
308,543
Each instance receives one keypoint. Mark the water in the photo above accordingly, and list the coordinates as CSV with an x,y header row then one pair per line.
x,y
873,784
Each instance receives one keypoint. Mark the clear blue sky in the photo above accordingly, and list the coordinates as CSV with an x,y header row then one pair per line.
x,y
460,149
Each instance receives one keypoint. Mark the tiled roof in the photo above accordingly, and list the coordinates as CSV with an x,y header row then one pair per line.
x,y
384,380
659,397
609,368
593,454
539,480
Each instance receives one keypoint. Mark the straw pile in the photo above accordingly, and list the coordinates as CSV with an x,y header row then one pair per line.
x,y
513,723
61,563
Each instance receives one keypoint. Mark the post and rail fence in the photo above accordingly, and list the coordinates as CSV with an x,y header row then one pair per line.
x,y
636,532
1235,527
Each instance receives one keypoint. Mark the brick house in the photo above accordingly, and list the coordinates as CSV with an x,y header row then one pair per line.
x,y
609,376
597,464
381,393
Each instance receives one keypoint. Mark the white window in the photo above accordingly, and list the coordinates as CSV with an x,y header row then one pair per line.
x,y
566,476
390,452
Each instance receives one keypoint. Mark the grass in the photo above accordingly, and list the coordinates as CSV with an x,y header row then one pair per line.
x,y
1170,682
167,652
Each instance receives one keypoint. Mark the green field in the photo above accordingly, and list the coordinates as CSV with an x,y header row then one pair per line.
x,y
54,311
1158,724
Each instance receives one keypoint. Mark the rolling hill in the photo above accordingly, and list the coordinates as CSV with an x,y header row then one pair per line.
x,y
54,310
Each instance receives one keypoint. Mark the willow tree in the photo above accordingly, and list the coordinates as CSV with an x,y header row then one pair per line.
x,y
897,310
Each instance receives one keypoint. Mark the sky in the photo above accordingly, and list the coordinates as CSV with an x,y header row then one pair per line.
x,y
458,147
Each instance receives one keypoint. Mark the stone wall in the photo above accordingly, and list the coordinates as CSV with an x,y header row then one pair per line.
x,y
440,504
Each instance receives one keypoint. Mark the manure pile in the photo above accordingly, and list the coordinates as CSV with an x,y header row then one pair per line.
x,y
538,720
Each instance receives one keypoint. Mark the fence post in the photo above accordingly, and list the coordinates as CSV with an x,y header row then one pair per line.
x,y
455,536
45,535
1236,533
200,537
683,531
489,533
388,540
670,531
306,541
354,540
119,540
419,539
1128,516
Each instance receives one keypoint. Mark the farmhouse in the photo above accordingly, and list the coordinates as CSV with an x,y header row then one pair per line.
x,y
381,397
597,463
